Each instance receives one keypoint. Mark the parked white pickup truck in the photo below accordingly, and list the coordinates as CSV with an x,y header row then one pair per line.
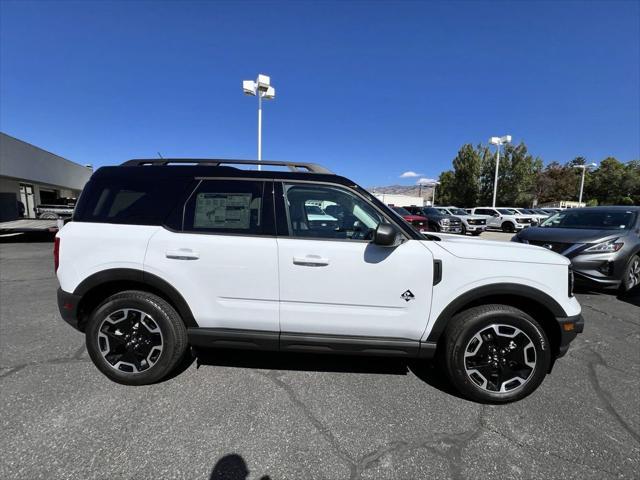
x,y
505,219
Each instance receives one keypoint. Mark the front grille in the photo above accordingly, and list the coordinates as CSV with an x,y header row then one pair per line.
x,y
455,223
557,247
474,221
523,220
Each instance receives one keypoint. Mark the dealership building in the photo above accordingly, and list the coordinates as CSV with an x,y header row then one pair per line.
x,y
31,176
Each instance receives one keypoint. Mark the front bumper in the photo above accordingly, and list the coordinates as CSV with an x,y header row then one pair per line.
x,y
605,269
476,228
451,228
68,307
570,327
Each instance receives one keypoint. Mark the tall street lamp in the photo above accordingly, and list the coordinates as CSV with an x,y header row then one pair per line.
x,y
261,88
498,142
584,169
433,194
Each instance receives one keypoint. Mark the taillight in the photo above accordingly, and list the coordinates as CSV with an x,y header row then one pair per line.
x,y
56,254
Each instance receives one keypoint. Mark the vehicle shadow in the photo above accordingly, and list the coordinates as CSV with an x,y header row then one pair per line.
x,y
632,296
427,371
232,467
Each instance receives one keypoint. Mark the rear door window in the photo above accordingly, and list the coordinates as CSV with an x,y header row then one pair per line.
x,y
231,207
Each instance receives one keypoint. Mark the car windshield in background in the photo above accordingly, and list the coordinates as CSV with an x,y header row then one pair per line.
x,y
592,220
401,211
432,211
507,211
458,211
443,211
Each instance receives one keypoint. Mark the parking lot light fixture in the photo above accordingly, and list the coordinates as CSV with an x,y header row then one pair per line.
x,y
433,194
498,142
584,169
261,88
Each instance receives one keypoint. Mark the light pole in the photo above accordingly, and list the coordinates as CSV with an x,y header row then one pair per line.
x,y
498,142
261,88
433,194
584,169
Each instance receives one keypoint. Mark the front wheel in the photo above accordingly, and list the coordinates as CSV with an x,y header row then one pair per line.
x,y
631,276
508,227
136,338
495,353
463,230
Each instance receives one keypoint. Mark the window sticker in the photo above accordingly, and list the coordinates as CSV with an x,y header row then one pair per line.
x,y
223,210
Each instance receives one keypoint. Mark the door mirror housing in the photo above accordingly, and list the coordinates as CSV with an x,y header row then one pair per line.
x,y
385,235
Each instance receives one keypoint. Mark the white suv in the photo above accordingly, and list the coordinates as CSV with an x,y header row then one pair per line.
x,y
505,219
163,259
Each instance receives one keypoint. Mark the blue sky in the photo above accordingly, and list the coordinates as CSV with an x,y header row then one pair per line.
x,y
369,89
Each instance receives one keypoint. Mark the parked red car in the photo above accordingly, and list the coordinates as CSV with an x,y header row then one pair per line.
x,y
419,222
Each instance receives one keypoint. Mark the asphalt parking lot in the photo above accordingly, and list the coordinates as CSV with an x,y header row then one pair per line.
x,y
296,417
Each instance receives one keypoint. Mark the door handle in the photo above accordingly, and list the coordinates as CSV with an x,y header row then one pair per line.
x,y
182,254
311,261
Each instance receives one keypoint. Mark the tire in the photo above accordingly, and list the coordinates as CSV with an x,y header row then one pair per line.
x,y
508,227
463,230
471,338
434,227
49,216
631,275
136,338
476,234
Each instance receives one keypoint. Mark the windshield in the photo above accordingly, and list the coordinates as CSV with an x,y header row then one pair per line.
x,y
431,211
314,210
401,211
458,211
593,219
443,211
507,211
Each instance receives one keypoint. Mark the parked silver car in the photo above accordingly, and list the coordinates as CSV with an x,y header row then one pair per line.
x,y
603,243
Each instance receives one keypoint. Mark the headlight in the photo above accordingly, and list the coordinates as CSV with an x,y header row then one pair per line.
x,y
610,246
571,281
444,221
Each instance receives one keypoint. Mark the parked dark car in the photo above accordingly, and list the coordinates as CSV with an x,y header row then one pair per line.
x,y
438,221
603,243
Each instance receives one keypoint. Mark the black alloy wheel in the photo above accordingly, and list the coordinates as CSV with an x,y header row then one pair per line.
x,y
136,338
130,340
495,353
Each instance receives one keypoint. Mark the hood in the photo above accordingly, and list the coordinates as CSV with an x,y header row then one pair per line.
x,y
569,235
472,217
478,249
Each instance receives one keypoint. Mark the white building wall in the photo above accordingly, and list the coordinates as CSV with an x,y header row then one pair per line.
x,y
20,160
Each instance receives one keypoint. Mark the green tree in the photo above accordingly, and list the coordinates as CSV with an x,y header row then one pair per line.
x,y
446,190
517,177
466,177
608,183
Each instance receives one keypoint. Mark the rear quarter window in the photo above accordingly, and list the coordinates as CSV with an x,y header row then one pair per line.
x,y
135,202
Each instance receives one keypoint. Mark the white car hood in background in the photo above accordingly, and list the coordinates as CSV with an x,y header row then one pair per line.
x,y
479,249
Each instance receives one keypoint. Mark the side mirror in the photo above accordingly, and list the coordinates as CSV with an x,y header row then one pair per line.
x,y
496,215
385,235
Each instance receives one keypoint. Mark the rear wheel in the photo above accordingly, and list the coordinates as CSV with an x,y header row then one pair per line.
x,y
495,353
49,216
136,338
508,227
631,277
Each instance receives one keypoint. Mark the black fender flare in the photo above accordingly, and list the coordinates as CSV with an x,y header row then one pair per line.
x,y
133,275
493,290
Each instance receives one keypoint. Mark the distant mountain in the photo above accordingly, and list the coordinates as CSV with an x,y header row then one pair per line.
x,y
411,190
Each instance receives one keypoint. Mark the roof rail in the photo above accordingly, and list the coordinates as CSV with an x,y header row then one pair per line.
x,y
293,166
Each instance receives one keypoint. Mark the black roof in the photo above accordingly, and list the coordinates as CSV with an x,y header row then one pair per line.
x,y
193,168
